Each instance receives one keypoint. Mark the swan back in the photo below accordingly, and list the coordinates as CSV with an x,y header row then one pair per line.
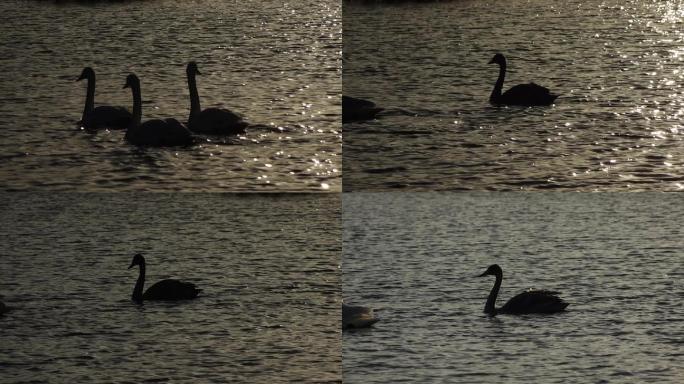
x,y
355,109
357,317
528,95
171,289
534,301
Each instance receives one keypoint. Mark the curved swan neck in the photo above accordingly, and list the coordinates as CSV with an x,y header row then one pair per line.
x,y
195,107
496,92
137,114
490,306
138,290
90,95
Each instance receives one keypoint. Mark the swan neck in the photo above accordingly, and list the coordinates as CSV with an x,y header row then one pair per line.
x,y
90,96
490,307
137,115
195,107
138,290
496,92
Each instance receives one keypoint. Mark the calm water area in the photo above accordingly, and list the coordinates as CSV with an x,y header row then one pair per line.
x,y
278,64
617,126
268,267
616,258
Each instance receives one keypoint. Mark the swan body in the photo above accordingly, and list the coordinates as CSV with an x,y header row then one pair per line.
x,y
530,301
523,94
357,317
168,289
211,121
104,116
3,308
153,133
354,109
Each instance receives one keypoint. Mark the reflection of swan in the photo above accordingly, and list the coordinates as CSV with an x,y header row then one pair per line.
x,y
154,133
523,94
103,116
354,109
168,289
531,301
357,317
211,121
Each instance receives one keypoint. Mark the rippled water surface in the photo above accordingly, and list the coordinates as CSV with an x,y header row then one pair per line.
x,y
618,65
276,63
616,258
269,312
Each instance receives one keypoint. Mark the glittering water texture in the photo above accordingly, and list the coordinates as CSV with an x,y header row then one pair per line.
x,y
268,265
616,258
619,67
276,63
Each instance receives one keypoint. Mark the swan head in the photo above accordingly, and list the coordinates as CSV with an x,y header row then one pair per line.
x,y
498,59
192,69
138,259
132,80
493,270
87,73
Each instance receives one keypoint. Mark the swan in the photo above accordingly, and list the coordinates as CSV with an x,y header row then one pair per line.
x,y
168,289
531,301
523,94
103,116
153,133
354,109
211,121
357,317
3,308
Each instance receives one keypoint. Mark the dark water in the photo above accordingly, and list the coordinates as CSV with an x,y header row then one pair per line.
x,y
276,63
268,265
619,67
616,258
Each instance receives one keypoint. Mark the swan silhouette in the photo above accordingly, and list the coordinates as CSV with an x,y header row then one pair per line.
x,y
3,308
354,109
211,121
531,301
357,317
168,289
103,116
523,94
153,133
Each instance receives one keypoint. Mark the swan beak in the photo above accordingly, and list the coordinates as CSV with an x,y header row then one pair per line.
x,y
198,72
483,274
491,61
80,78
124,87
131,266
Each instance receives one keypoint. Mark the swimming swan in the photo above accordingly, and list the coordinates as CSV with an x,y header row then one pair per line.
x,y
354,109
531,301
357,317
153,133
103,116
211,121
168,289
523,94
